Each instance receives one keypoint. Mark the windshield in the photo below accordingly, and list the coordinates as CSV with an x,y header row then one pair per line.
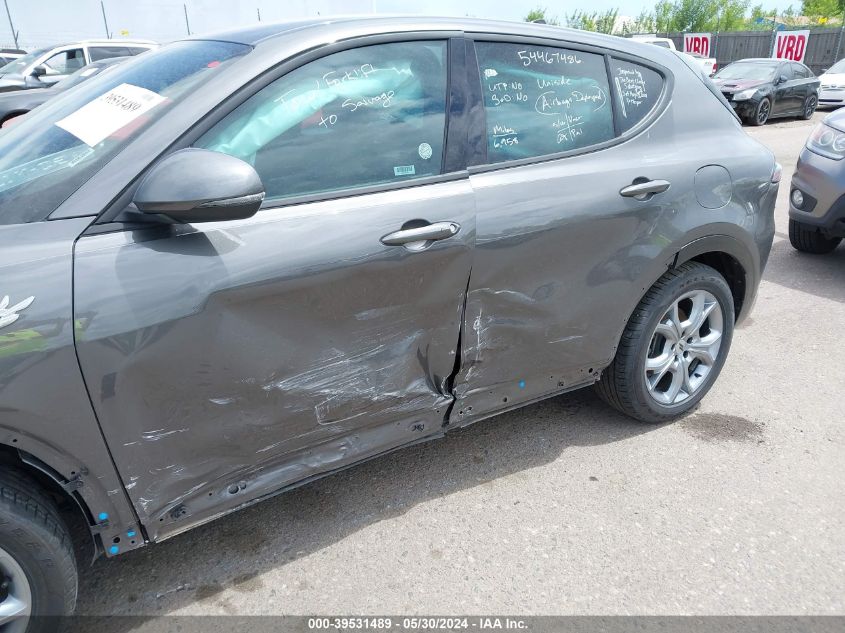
x,y
838,67
87,73
747,71
20,64
60,145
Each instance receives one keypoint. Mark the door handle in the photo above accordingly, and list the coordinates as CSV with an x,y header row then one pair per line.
x,y
427,233
644,190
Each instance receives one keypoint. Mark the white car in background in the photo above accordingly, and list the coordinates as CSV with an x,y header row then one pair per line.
x,y
708,64
832,91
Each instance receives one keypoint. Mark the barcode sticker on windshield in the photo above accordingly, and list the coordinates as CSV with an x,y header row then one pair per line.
x,y
105,115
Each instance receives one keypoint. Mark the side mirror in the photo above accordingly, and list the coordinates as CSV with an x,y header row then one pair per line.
x,y
39,71
783,79
198,185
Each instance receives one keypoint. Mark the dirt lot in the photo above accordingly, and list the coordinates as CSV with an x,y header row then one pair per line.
x,y
565,507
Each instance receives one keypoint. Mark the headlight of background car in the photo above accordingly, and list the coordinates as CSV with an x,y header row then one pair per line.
x,y
742,95
828,142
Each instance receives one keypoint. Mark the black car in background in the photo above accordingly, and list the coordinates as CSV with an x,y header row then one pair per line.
x,y
760,89
15,104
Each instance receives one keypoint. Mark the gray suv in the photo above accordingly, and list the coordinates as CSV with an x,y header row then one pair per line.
x,y
247,260
817,194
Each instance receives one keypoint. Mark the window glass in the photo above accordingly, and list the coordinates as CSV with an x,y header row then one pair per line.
x,y
541,100
637,90
799,71
137,50
43,159
359,117
105,52
65,62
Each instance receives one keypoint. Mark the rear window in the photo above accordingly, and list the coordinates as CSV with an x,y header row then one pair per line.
x,y
637,90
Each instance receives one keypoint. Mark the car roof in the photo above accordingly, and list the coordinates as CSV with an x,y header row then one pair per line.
x,y
760,60
383,23
103,42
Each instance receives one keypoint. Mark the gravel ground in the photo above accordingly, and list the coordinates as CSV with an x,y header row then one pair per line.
x,y
565,507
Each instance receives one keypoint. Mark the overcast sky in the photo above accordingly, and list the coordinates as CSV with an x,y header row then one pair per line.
x,y
42,22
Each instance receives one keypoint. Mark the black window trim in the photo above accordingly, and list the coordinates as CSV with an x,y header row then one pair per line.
x,y
122,202
476,167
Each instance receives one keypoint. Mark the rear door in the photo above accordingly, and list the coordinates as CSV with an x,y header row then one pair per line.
x,y
565,248
227,360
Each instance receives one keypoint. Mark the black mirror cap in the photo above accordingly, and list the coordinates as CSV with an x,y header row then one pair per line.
x,y
199,185
39,71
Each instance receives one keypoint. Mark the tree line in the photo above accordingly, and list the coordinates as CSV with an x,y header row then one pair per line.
x,y
698,16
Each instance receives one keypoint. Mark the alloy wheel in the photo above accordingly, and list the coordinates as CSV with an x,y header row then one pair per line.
x,y
811,107
684,347
763,112
15,595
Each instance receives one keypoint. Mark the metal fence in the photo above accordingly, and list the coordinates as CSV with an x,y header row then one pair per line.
x,y
824,47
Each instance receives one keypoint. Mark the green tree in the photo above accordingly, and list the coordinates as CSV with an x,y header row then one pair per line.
x,y
541,13
600,21
823,8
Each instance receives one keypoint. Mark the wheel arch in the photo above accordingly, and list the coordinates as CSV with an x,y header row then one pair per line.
x,y
75,510
730,258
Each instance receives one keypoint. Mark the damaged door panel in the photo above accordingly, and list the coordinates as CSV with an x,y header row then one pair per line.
x,y
227,362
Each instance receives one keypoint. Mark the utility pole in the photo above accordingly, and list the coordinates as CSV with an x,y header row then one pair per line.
x,y
187,24
105,21
11,25
258,9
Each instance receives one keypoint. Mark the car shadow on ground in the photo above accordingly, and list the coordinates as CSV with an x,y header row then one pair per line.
x,y
235,549
819,275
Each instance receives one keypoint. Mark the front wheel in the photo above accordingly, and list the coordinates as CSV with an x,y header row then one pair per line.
x,y
37,564
673,347
761,114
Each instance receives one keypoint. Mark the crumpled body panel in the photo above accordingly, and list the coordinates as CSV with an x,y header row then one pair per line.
x,y
228,362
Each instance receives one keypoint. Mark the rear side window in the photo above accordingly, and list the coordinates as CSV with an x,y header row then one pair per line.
x,y
542,100
637,89
799,71
106,52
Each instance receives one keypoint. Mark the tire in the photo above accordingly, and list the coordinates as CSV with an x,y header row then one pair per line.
x,y
623,385
810,105
808,239
36,552
761,114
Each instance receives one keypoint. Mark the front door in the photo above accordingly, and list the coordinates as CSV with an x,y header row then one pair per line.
x,y
227,360
786,92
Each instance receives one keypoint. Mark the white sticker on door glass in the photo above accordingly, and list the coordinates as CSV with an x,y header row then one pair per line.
x,y
105,115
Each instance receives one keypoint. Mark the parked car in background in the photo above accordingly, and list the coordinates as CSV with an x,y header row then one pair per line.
x,y
9,55
17,103
832,93
761,89
707,64
45,67
817,194
244,261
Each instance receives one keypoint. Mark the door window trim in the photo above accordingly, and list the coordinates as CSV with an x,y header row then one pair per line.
x,y
268,76
477,167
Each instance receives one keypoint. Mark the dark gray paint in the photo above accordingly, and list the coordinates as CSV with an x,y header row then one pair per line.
x,y
227,361
45,408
